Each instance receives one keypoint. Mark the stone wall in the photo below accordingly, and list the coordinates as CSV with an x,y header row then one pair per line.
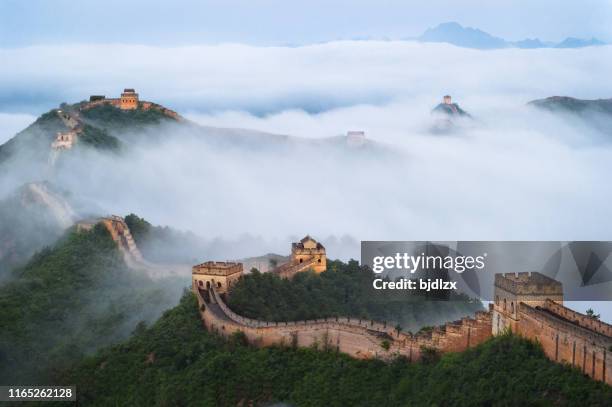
x,y
123,237
357,337
144,105
566,341
288,270
578,318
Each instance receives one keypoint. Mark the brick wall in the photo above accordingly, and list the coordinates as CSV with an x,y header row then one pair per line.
x,y
356,337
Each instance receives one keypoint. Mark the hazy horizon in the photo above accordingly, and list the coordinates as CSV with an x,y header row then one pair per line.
x,y
269,22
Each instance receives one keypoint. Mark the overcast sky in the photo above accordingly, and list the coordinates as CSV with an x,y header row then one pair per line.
x,y
264,22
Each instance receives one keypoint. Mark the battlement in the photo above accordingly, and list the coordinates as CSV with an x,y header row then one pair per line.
x,y
129,100
570,328
577,318
217,268
528,283
361,338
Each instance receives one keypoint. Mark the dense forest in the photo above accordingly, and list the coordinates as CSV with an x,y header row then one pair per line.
x,y
176,362
69,300
345,289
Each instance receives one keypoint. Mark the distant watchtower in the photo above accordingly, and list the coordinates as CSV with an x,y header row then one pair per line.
x,y
447,100
309,249
355,138
221,275
129,100
512,289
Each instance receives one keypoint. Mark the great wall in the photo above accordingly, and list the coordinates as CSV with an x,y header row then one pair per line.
x,y
71,117
529,304
121,235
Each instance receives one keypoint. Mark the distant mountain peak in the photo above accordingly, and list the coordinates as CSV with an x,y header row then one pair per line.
x,y
468,37
454,33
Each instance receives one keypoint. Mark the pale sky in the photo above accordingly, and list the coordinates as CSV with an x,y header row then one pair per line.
x,y
275,22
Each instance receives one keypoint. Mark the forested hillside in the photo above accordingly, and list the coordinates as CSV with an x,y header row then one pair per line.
x,y
344,290
69,300
177,363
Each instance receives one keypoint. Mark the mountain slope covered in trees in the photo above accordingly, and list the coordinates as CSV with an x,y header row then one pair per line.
x,y
177,363
69,300
344,290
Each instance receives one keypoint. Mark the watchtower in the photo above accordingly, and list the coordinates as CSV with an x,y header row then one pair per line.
x,y
218,274
129,99
309,250
355,138
447,100
511,289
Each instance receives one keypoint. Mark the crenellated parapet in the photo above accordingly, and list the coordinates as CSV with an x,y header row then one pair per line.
x,y
129,100
531,305
576,318
358,337
526,283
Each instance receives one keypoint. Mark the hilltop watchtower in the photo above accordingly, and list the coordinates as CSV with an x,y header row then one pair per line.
x,y
447,100
309,250
219,274
511,289
128,100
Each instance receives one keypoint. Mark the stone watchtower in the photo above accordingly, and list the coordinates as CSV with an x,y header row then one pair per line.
x,y
307,250
128,100
221,275
447,100
511,289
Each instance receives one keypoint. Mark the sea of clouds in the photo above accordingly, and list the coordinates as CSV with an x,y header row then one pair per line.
x,y
511,173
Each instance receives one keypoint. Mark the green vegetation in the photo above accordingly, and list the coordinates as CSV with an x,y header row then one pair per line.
x,y
69,300
99,138
111,118
177,363
141,229
344,290
163,244
591,314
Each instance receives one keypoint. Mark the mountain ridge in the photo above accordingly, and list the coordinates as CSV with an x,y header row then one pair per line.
x,y
468,37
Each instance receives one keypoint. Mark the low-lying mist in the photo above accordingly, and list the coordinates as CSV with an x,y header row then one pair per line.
x,y
511,173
